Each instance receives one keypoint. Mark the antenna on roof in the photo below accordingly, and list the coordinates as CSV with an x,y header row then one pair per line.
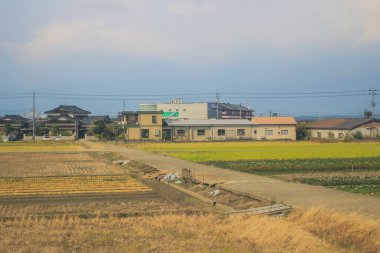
x,y
124,105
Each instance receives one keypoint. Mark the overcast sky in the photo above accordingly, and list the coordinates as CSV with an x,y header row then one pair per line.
x,y
198,47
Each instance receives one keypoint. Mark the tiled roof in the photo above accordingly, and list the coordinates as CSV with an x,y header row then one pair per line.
x,y
68,109
209,122
274,120
88,120
13,118
338,123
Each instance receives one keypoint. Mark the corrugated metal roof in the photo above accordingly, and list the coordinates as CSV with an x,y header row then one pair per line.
x,y
283,120
209,122
338,123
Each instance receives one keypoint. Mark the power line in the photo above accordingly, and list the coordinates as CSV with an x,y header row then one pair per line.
x,y
185,94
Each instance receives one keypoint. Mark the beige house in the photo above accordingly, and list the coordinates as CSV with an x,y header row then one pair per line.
x,y
343,128
208,130
141,126
274,128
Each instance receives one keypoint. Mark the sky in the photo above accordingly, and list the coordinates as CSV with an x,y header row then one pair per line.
x,y
294,57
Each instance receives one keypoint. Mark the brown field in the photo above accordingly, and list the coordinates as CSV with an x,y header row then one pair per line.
x,y
55,164
69,185
81,202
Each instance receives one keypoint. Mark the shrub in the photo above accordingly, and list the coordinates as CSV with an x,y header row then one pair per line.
x,y
358,135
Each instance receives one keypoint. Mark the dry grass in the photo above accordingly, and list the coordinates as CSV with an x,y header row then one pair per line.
x,y
64,228
164,233
350,231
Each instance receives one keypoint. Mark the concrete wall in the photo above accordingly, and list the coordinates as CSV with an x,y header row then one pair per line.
x,y
373,132
52,138
330,134
190,133
343,134
231,133
134,133
186,111
146,119
261,132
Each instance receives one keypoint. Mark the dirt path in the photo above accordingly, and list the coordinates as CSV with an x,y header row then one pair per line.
x,y
294,194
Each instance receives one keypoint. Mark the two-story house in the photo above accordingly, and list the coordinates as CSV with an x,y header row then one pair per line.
x,y
141,125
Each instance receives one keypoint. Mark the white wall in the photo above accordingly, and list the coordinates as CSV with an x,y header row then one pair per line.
x,y
186,111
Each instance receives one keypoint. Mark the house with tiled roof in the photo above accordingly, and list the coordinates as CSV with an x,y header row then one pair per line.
x,y
343,128
15,122
68,119
274,128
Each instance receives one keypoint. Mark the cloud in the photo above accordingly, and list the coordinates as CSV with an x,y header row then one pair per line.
x,y
208,30
188,8
62,38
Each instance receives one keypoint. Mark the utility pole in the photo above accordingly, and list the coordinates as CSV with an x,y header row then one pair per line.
x,y
270,112
240,110
217,105
34,116
373,93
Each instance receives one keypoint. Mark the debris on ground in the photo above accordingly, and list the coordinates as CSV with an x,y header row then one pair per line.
x,y
215,192
276,209
121,162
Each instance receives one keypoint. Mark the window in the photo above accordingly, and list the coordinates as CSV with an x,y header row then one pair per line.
x,y
170,110
221,132
331,135
184,110
284,132
240,132
144,133
176,110
200,132
319,135
268,132
154,119
254,131
157,132
180,132
340,135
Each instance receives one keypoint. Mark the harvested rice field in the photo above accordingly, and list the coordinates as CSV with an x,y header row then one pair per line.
x,y
31,164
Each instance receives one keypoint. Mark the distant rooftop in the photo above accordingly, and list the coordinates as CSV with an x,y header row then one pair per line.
x,y
67,109
339,123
